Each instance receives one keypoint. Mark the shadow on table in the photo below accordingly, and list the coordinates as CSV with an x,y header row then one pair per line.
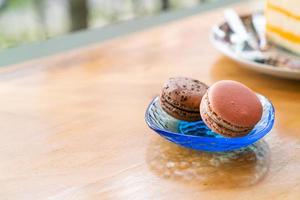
x,y
233,169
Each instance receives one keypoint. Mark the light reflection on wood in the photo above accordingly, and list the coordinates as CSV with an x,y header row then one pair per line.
x,y
238,168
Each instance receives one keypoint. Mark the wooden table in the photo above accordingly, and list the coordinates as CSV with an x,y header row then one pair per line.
x,y
72,125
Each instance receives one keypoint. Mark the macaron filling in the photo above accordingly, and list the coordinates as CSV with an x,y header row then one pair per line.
x,y
178,106
180,112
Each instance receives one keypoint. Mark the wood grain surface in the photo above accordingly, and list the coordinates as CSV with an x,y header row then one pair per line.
x,y
72,125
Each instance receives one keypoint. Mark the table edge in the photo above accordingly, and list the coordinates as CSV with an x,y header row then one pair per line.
x,y
78,39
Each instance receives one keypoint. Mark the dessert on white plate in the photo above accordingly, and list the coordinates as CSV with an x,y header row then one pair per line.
x,y
272,61
279,24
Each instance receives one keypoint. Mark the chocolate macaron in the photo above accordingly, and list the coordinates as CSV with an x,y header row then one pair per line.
x,y
230,108
181,97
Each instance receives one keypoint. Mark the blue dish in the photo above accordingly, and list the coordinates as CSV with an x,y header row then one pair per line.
x,y
196,135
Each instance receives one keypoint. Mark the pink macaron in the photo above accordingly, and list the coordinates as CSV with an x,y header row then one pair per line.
x,y
230,108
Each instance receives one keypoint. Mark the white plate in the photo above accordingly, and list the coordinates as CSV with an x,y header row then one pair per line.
x,y
225,47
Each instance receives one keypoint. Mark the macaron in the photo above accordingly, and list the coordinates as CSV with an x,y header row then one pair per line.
x,y
230,108
181,97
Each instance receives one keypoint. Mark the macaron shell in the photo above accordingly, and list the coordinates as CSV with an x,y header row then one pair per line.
x,y
218,125
221,130
184,92
178,113
181,97
235,103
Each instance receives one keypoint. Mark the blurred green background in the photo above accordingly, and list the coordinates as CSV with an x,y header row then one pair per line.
x,y
24,21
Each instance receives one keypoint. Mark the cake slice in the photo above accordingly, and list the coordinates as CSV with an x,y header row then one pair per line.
x,y
283,23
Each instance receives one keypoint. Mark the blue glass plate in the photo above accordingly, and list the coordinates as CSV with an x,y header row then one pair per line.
x,y
196,135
